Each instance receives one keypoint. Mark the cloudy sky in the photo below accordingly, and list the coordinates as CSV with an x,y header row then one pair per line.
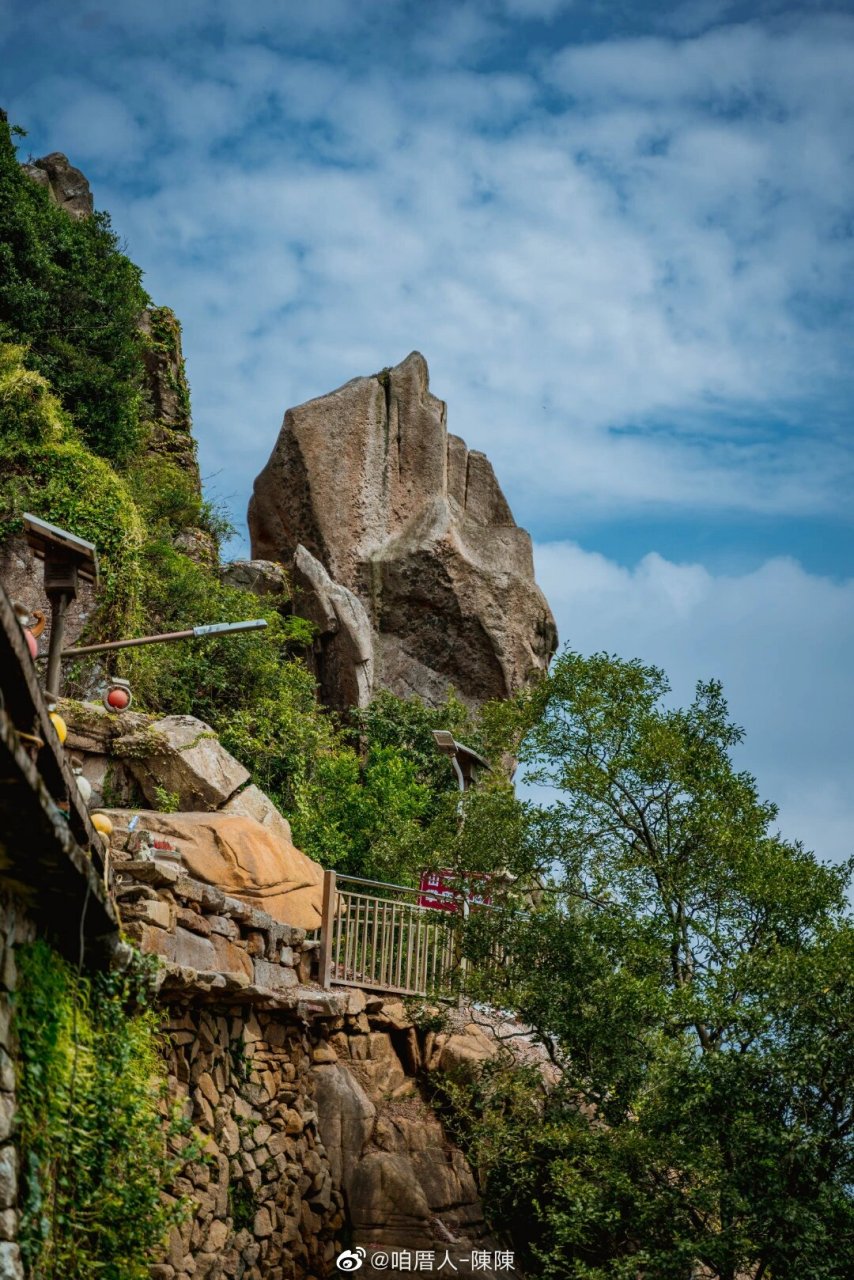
x,y
621,232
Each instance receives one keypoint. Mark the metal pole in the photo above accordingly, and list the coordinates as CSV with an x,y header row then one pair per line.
x,y
326,928
58,605
194,633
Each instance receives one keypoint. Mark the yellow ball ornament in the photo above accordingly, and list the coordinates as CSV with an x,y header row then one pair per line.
x,y
102,823
59,725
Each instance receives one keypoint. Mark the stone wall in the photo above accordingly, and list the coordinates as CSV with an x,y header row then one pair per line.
x,y
265,1203
213,945
239,1005
310,1104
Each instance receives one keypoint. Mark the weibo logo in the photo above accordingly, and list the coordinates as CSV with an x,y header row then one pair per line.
x,y
350,1259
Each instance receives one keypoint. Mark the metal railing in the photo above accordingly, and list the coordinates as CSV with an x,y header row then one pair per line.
x,y
379,937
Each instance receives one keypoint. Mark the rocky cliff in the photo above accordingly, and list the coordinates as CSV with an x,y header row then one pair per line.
x,y
403,548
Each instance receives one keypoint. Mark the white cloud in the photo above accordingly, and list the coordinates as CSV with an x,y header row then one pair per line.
x,y
640,261
778,637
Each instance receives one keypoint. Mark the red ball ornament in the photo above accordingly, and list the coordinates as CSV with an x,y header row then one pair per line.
x,y
118,698
32,643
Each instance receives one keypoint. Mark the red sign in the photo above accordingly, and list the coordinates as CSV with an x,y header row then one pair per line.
x,y
447,890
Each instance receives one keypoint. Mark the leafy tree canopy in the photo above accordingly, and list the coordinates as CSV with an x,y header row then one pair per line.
x,y
691,972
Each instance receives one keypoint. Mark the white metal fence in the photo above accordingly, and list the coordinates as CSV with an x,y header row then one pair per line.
x,y
379,937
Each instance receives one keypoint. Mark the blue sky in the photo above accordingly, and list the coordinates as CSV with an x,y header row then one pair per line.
x,y
621,233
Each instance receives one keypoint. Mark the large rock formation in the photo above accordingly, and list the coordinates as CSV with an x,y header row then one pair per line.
x,y
405,551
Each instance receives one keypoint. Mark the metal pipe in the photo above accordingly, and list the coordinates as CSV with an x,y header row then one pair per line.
x,y
58,605
380,884
194,633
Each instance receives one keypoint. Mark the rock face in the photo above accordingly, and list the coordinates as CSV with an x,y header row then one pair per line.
x,y
239,856
183,757
263,577
344,650
68,187
229,834
406,1186
168,392
366,485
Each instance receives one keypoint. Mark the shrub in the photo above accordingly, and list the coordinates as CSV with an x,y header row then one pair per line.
x,y
47,470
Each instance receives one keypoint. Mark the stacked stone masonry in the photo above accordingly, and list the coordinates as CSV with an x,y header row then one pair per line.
x,y
307,1103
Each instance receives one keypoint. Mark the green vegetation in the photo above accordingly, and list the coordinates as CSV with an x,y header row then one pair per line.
x,y
45,468
690,972
73,299
91,1099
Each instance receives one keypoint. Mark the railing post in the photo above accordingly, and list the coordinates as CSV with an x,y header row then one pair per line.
x,y
327,928
464,964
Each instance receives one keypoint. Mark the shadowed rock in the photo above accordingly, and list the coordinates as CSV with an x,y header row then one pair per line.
x,y
368,482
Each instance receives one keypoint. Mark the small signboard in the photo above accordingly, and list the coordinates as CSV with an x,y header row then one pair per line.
x,y
447,890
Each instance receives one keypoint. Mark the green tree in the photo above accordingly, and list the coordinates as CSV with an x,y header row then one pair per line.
x,y
72,297
691,972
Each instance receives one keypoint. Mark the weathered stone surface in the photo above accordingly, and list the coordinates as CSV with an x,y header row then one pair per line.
x,y
8,1177
464,1053
68,187
252,802
346,1118
387,1200
198,545
11,1267
166,382
276,977
242,857
263,577
344,646
183,756
368,482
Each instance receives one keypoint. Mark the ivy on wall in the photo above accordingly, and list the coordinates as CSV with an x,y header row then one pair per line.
x,y
92,1099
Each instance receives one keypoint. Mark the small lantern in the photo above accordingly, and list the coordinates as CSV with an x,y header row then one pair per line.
x,y
84,786
102,823
59,725
117,696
